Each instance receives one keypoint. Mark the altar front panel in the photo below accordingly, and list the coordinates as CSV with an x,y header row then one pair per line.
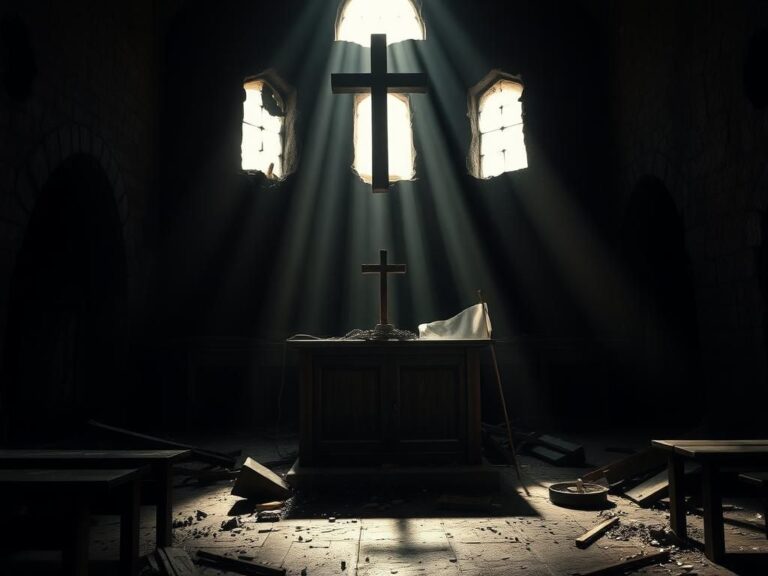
x,y
389,403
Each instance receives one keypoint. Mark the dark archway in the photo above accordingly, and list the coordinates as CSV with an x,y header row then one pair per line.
x,y
666,387
65,328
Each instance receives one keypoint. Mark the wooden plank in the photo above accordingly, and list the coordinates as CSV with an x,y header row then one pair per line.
x,y
671,444
590,536
166,568
239,566
629,467
655,488
551,456
631,564
730,452
575,452
759,479
25,457
67,480
207,456
179,561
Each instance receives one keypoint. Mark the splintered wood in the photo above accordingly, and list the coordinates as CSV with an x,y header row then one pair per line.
x,y
590,536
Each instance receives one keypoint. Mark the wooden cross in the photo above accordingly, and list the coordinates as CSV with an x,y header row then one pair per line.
x,y
382,268
378,84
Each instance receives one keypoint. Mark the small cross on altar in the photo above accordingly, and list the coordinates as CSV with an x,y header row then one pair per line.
x,y
379,83
383,269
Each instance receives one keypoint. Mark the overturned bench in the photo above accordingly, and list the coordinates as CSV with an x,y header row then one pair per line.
x,y
158,463
77,492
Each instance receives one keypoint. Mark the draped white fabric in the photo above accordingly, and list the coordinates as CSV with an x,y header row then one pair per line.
x,y
474,323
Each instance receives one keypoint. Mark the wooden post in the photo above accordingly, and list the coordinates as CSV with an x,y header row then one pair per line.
x,y
677,521
712,500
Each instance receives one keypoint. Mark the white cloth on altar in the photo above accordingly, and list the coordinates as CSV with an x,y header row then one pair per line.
x,y
473,323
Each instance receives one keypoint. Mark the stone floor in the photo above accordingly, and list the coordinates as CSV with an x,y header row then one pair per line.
x,y
360,533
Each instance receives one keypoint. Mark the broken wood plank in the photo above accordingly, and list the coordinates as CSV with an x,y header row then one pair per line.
x,y
548,455
590,536
647,460
630,564
178,561
574,452
235,565
137,438
257,482
650,491
654,488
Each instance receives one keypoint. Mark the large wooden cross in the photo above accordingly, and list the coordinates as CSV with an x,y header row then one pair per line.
x,y
378,84
382,268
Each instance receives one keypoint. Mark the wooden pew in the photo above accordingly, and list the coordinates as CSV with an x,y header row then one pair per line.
x,y
75,493
159,463
713,455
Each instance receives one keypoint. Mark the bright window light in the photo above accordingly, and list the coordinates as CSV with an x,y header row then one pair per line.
x,y
398,19
262,146
399,135
500,122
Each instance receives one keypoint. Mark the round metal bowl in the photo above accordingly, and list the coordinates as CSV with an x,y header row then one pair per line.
x,y
571,495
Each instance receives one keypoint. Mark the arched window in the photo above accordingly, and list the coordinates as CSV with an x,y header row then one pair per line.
x,y
496,113
400,138
398,19
268,116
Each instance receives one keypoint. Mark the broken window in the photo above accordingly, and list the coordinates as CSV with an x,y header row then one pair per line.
x,y
498,144
398,19
400,138
263,124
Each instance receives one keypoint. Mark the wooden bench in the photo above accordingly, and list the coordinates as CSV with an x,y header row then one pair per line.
x,y
159,463
712,455
760,480
74,493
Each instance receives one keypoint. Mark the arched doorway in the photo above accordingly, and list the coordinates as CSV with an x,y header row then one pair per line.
x,y
65,330
664,327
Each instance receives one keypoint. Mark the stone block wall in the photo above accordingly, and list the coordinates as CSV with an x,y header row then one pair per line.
x,y
78,77
681,114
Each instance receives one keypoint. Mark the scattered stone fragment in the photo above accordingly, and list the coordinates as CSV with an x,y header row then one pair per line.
x,y
268,516
230,524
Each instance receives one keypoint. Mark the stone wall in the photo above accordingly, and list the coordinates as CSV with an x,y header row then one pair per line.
x,y
681,114
78,77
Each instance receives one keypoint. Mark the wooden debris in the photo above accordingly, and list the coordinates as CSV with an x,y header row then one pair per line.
x,y
139,440
574,452
548,455
274,505
630,564
638,464
170,561
256,482
654,488
235,565
590,536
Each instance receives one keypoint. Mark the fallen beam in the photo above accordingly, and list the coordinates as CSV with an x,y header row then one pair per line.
x,y
631,564
139,440
235,565
641,463
590,536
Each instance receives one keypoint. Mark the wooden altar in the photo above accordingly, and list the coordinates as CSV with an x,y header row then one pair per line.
x,y
395,408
